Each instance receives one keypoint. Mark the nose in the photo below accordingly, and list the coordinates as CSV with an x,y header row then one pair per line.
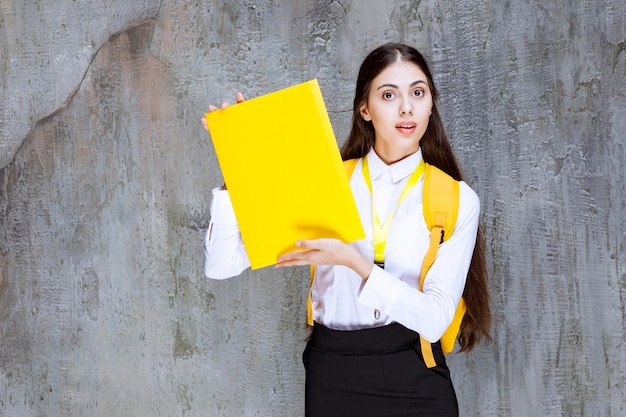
x,y
406,108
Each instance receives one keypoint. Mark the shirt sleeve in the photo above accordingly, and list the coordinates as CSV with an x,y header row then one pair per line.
x,y
224,252
430,312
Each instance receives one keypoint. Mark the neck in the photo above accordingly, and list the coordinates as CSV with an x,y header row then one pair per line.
x,y
391,156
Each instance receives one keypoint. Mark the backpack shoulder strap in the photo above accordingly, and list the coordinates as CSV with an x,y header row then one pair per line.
x,y
440,201
349,165
441,197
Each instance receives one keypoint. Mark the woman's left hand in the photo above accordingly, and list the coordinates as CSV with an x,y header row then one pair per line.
x,y
327,251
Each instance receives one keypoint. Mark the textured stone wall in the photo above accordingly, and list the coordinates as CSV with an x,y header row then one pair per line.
x,y
105,177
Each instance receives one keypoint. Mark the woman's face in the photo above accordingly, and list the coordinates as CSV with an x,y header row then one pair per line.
x,y
399,106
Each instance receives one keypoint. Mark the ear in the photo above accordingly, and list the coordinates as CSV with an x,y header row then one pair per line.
x,y
364,113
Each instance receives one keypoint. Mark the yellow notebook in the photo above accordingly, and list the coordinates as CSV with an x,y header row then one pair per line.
x,y
284,173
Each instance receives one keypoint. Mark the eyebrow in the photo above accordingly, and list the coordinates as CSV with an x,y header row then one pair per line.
x,y
414,83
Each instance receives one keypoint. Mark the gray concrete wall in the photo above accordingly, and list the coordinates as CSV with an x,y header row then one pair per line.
x,y
105,175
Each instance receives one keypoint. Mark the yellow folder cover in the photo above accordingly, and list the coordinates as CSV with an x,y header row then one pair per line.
x,y
284,173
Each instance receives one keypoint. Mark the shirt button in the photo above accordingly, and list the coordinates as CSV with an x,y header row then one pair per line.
x,y
376,314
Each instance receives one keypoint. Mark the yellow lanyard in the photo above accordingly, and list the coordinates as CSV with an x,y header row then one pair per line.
x,y
381,231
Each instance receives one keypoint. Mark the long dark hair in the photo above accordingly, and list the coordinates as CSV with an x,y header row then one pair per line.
x,y
437,151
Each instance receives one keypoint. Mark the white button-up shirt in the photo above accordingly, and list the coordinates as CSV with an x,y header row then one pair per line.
x,y
344,301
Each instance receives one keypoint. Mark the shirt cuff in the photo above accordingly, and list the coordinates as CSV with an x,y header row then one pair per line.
x,y
381,291
222,211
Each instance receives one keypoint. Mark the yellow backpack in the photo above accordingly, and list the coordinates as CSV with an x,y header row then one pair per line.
x,y
441,206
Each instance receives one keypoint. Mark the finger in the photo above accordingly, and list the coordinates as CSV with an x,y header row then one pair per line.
x,y
297,262
204,124
298,255
225,104
315,244
306,244
239,97
212,108
287,257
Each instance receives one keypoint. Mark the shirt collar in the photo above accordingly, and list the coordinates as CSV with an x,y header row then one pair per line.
x,y
399,171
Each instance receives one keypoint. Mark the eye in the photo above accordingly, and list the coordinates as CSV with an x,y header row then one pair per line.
x,y
418,92
388,95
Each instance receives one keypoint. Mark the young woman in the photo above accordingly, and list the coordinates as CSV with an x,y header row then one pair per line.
x,y
364,356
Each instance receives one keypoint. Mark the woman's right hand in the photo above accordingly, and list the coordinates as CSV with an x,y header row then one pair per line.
x,y
238,98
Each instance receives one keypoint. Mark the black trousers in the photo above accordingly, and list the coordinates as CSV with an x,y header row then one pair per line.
x,y
376,372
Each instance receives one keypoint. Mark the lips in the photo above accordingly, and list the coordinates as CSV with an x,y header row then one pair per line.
x,y
406,127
